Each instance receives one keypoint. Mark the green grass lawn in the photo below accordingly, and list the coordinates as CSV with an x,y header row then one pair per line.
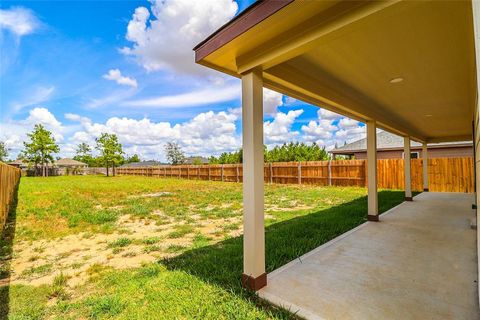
x,y
148,248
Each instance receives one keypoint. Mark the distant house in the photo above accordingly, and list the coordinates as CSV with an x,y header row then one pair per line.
x,y
390,146
69,166
196,160
19,164
149,163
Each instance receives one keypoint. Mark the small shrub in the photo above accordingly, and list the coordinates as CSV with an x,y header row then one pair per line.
x,y
180,231
120,243
57,289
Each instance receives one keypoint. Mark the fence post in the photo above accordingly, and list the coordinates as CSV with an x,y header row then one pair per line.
x,y
329,172
188,173
299,172
271,173
208,173
238,177
222,172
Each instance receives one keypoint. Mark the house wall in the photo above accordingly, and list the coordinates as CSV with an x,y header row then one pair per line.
x,y
455,152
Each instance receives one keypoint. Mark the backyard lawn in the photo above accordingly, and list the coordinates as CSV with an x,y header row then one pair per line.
x,y
147,248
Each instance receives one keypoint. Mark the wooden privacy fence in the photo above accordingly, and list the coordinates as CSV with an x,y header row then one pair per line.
x,y
444,174
9,177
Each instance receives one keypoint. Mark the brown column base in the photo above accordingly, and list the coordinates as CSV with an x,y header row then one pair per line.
x,y
408,199
373,217
254,284
425,189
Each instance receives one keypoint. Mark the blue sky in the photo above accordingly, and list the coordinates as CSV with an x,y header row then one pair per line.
x,y
86,67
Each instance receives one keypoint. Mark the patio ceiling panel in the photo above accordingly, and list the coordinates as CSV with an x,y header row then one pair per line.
x,y
342,55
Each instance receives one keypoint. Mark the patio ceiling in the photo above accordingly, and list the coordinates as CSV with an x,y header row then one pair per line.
x,y
343,56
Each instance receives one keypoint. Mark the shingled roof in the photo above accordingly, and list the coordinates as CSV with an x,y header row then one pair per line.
x,y
390,141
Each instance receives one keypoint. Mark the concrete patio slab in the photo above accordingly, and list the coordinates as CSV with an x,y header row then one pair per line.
x,y
418,262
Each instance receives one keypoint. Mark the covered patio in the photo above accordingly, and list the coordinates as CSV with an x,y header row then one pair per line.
x,y
419,263
407,67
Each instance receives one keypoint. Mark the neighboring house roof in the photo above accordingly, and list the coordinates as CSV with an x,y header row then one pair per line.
x,y
150,163
390,141
67,162
18,162
191,160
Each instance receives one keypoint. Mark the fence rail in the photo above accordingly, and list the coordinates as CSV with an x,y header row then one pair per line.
x,y
9,177
444,174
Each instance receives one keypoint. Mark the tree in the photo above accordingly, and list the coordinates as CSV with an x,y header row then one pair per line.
x,y
134,158
3,151
110,150
41,148
84,153
174,153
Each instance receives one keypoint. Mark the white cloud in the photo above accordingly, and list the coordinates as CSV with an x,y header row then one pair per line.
x,y
279,129
14,133
271,101
18,20
194,98
116,75
207,133
318,131
347,123
327,115
164,39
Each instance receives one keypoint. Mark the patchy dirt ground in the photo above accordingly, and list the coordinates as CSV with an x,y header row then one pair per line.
x,y
136,241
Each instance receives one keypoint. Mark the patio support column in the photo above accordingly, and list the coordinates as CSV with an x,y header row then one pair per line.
x,y
407,168
372,171
425,166
254,276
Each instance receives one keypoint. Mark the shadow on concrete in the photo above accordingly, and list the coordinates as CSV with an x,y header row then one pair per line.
x,y
221,264
6,252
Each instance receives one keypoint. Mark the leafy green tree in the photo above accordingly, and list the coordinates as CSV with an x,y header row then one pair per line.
x,y
3,151
134,158
197,161
174,153
40,148
286,152
84,154
111,152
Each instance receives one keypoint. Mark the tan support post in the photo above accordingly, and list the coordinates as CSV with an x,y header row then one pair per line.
x,y
372,171
425,166
254,276
407,168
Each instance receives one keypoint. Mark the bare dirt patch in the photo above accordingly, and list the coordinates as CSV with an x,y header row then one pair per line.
x,y
136,241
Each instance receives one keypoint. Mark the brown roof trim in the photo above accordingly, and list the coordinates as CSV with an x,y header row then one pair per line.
x,y
250,17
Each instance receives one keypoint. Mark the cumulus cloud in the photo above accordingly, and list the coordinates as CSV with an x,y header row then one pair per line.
x,y
20,21
116,75
279,129
207,133
271,101
327,115
318,131
163,38
14,133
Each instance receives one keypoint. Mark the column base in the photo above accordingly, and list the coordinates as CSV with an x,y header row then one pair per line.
x,y
252,283
373,217
474,206
425,189
408,198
